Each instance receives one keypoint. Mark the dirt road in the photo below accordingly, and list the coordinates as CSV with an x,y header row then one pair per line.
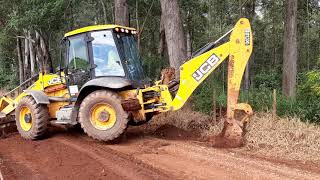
x,y
165,154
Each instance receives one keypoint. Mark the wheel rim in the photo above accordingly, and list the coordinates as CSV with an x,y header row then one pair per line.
x,y
102,116
25,118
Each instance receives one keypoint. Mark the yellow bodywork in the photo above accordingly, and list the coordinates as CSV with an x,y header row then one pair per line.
x,y
187,83
237,49
96,28
8,104
55,106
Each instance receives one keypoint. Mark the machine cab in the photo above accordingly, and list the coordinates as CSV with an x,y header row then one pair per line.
x,y
102,51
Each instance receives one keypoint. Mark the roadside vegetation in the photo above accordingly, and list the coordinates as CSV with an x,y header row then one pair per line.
x,y
275,138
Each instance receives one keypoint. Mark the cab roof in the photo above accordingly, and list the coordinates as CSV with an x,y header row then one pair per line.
x,y
96,28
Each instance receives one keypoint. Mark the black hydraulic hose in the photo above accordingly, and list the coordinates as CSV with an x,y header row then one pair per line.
x,y
204,49
211,45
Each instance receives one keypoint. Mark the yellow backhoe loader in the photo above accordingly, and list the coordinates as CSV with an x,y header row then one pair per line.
x,y
101,85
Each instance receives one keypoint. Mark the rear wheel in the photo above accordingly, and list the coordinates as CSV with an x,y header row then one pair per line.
x,y
101,115
31,118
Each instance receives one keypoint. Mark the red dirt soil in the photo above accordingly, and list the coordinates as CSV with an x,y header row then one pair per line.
x,y
165,153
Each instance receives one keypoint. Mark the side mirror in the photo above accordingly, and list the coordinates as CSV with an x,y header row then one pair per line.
x,y
93,66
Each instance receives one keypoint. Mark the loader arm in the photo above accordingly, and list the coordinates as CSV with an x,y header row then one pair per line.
x,y
195,71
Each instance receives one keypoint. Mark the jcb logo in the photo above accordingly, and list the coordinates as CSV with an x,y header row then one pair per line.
x,y
55,80
206,67
247,37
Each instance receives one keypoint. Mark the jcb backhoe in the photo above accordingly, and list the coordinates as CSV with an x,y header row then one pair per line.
x,y
101,84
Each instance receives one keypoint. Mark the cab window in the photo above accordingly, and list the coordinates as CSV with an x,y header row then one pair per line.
x,y
105,55
78,56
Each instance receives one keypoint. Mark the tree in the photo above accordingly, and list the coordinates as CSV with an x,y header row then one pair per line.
x,y
121,12
174,33
20,61
194,23
290,52
162,38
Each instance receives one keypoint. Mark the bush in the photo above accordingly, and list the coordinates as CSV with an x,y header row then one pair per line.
x,y
268,80
309,96
8,81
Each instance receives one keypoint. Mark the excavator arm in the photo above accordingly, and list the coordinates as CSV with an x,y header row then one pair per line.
x,y
195,71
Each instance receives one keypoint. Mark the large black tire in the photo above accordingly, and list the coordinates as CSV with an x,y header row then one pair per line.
x,y
103,97
39,116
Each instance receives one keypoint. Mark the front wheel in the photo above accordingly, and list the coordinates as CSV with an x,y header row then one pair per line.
x,y
101,115
31,118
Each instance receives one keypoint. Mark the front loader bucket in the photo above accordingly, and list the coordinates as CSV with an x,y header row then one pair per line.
x,y
6,120
6,106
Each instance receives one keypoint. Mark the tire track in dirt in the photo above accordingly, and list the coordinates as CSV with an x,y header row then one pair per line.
x,y
48,159
176,168
124,165
73,155
189,160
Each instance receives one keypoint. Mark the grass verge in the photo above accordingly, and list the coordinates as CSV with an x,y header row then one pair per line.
x,y
285,138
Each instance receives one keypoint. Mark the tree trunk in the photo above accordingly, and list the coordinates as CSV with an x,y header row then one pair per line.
x,y
138,25
104,11
174,33
32,55
189,46
247,78
20,61
43,56
47,46
162,37
26,57
39,56
121,12
290,52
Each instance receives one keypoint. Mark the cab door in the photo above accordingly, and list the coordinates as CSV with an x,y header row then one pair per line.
x,y
78,70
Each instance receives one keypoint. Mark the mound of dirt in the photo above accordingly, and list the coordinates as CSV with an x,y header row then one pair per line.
x,y
171,132
219,141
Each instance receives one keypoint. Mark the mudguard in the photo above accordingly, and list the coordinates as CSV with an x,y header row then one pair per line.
x,y
107,82
39,96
